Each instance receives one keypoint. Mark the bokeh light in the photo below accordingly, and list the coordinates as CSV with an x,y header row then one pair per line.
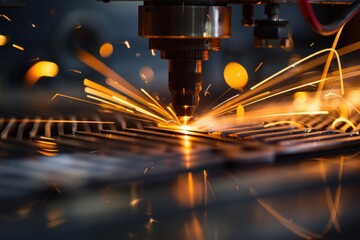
x,y
235,75
106,50
3,40
146,74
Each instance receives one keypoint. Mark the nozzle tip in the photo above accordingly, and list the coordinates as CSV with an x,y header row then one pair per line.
x,y
184,120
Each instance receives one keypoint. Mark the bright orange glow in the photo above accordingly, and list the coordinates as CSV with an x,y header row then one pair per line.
x,y
39,70
235,75
106,50
3,40
240,111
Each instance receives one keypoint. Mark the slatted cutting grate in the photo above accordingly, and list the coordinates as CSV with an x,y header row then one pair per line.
x,y
85,153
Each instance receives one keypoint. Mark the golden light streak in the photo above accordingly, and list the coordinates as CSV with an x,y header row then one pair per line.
x,y
312,44
258,67
327,65
227,100
173,113
137,108
39,70
333,205
72,98
285,91
110,105
306,66
113,79
3,40
286,222
303,60
297,124
33,25
291,114
162,110
342,119
18,47
6,17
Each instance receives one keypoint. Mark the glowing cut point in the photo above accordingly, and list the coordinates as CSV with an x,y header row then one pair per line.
x,y
106,50
3,40
41,69
235,75
184,120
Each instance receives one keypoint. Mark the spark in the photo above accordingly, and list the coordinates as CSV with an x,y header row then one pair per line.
x,y
303,60
70,97
258,67
153,52
312,44
56,187
173,113
127,44
138,101
227,100
6,17
294,114
346,102
206,92
74,71
33,25
327,65
342,119
165,113
145,171
34,59
18,47
288,223
134,202
299,125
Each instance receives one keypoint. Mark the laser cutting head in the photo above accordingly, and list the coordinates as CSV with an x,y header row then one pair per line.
x,y
184,33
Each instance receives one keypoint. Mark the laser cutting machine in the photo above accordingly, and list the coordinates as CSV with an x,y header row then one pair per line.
x,y
69,170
